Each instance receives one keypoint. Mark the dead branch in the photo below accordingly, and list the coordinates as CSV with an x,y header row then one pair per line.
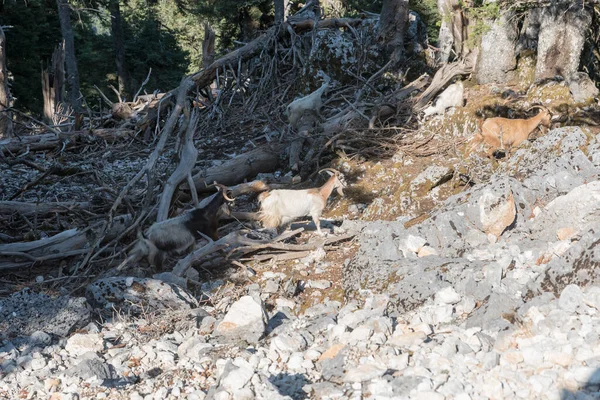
x,y
464,66
236,170
11,207
48,141
234,239
187,160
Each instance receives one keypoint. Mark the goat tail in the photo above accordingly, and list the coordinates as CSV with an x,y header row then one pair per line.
x,y
269,220
269,216
475,142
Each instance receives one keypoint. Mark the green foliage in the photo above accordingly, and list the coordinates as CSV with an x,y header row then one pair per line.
x,y
430,15
165,35
152,44
481,16
34,34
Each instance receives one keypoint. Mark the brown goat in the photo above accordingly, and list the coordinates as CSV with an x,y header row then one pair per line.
x,y
506,134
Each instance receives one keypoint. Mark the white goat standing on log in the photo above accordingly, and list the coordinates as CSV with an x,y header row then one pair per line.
x,y
310,102
503,133
281,207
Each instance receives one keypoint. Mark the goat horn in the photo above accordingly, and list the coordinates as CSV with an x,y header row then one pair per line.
x,y
335,171
538,106
224,189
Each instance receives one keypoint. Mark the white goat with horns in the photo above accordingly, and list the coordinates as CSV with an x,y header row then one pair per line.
x,y
282,206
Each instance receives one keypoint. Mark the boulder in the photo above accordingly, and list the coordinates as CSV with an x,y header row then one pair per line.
x,y
245,320
25,312
134,295
497,53
563,30
582,88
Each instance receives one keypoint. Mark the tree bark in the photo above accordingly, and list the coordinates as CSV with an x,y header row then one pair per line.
x,y
208,46
116,27
392,27
64,14
53,83
280,6
6,123
48,141
187,160
247,165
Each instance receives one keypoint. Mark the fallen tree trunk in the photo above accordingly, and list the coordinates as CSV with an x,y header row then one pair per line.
x,y
65,244
244,166
69,242
47,141
11,207
232,240
444,75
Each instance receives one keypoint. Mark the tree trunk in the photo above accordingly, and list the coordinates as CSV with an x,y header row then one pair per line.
x,y
53,83
392,26
64,14
116,27
208,46
245,166
247,25
47,141
280,9
6,123
446,38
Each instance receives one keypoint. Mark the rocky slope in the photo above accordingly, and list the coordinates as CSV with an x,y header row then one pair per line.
x,y
495,295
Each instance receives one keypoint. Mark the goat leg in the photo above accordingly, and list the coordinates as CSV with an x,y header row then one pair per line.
x,y
317,222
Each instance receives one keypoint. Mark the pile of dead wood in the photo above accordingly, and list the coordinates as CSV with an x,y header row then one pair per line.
x,y
367,123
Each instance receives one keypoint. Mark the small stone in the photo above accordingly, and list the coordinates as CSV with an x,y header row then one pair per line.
x,y
411,245
512,356
51,383
295,362
246,320
94,367
319,284
40,338
570,298
331,352
447,296
364,372
360,334
284,303
496,212
271,286
243,394
39,278
558,358
236,379
38,363
565,233
400,339
427,251
81,343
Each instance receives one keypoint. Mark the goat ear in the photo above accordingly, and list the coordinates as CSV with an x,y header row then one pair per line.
x,y
340,191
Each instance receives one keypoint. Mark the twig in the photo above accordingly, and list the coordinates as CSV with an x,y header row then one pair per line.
x,y
142,86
